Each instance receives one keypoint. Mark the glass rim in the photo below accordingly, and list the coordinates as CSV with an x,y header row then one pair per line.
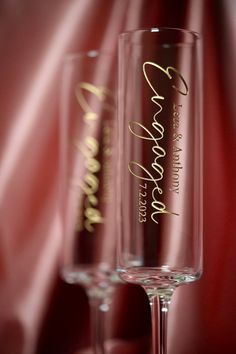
x,y
90,54
195,35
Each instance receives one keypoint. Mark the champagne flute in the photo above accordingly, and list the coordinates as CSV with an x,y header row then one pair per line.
x,y
160,165
88,196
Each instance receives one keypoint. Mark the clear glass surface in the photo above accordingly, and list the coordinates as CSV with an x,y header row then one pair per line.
x,y
160,165
88,188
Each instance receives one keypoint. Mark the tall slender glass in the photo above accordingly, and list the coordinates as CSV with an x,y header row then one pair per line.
x,y
88,187
160,165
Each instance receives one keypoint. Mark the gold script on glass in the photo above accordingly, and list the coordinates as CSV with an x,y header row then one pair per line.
x,y
154,173
90,148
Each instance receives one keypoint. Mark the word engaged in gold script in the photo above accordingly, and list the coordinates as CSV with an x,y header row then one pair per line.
x,y
154,174
89,148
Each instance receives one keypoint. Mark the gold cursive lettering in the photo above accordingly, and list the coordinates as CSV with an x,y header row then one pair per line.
x,y
90,184
141,132
93,217
167,71
90,148
148,176
102,93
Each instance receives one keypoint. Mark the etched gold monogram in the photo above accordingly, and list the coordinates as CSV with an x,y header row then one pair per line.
x,y
156,174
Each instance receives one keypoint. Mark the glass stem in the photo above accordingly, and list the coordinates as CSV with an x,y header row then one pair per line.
x,y
99,306
159,302
97,315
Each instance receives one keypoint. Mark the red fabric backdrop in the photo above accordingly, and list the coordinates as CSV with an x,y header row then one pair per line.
x,y
38,312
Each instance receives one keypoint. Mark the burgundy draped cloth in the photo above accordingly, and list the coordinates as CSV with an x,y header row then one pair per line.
x,y
39,313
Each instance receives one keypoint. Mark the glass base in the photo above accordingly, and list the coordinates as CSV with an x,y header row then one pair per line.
x,y
163,277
